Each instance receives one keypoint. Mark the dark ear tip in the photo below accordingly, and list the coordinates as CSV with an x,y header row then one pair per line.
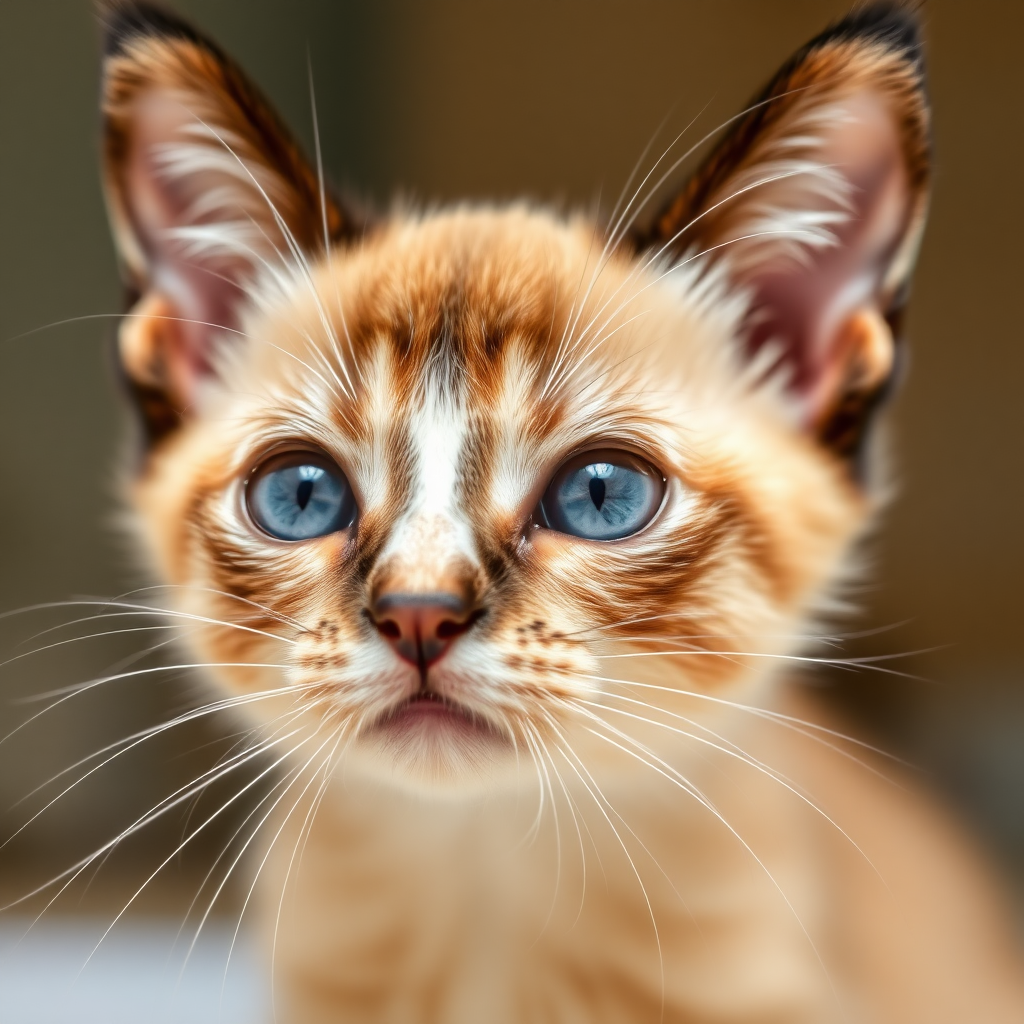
x,y
125,20
894,25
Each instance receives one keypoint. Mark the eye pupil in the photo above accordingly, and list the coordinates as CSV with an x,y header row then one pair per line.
x,y
597,492
303,493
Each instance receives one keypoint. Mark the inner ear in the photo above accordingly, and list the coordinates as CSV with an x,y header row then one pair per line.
x,y
813,207
823,299
207,192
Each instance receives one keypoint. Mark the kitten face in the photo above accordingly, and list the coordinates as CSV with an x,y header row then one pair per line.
x,y
443,403
459,476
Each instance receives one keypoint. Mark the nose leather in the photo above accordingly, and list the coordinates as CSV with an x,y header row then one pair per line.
x,y
421,627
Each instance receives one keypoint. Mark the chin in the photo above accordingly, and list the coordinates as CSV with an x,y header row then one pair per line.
x,y
429,743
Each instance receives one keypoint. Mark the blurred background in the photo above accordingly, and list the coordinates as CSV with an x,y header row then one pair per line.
x,y
555,101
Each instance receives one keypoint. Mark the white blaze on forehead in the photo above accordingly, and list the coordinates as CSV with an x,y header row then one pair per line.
x,y
433,517
438,431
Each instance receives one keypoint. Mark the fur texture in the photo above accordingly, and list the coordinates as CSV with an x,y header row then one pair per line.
x,y
616,815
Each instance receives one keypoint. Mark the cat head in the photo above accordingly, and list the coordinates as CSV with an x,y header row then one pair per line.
x,y
438,487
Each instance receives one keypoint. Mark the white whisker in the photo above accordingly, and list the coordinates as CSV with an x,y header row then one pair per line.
x,y
167,860
335,735
666,770
786,721
730,749
304,830
128,743
533,738
600,801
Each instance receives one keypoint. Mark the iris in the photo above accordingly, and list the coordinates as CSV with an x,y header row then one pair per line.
x,y
603,495
300,495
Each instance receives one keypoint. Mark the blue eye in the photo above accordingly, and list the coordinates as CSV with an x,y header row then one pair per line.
x,y
602,495
300,495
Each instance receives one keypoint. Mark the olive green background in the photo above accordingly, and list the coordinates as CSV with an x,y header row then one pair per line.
x,y
555,101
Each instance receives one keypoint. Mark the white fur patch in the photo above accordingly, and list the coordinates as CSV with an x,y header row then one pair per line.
x,y
438,428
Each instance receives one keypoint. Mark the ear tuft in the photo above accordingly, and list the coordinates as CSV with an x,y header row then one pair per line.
x,y
814,204
893,26
125,21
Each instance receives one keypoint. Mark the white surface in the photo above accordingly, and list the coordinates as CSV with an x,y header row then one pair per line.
x,y
135,977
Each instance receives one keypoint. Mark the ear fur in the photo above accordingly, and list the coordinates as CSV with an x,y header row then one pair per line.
x,y
814,203
206,190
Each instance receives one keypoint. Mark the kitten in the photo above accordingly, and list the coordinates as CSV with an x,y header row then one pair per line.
x,y
503,528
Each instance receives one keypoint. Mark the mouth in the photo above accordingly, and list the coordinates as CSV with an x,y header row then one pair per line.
x,y
427,710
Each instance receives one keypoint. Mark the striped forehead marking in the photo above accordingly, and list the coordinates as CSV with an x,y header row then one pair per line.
x,y
512,456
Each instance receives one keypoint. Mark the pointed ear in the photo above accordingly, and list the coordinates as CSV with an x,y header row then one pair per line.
x,y
814,204
206,190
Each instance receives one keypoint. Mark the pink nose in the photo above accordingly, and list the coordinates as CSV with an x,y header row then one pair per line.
x,y
421,627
